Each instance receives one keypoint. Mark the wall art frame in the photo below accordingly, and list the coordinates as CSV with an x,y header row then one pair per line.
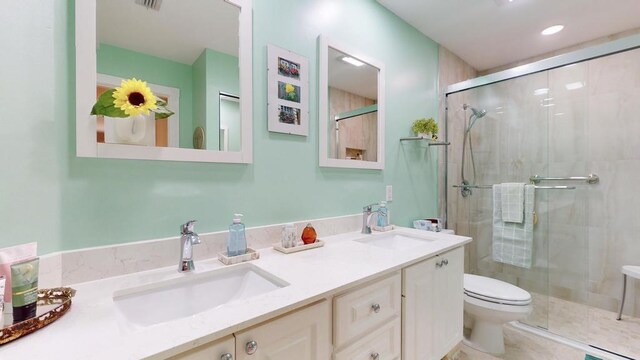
x,y
287,92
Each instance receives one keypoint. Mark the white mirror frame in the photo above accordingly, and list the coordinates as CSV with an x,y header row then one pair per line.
x,y
86,80
323,92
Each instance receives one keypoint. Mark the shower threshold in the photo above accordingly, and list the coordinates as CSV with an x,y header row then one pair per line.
x,y
588,349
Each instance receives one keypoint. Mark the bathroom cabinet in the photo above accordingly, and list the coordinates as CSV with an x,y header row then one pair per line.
x,y
215,350
302,335
413,313
432,306
366,321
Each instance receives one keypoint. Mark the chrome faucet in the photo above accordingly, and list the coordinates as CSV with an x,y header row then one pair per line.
x,y
366,218
188,238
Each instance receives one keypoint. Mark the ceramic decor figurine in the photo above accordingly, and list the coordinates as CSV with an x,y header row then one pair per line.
x,y
309,234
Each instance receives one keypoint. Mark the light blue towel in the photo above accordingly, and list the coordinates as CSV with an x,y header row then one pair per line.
x,y
512,202
513,242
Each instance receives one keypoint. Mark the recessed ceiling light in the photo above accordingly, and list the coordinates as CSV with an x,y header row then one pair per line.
x,y
552,29
542,91
352,61
574,85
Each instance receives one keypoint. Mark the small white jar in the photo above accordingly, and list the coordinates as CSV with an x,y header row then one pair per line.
x,y
288,235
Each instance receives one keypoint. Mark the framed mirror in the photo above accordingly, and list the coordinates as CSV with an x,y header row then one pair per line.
x,y
195,56
351,107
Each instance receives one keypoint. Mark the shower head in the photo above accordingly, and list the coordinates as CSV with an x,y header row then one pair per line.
x,y
477,113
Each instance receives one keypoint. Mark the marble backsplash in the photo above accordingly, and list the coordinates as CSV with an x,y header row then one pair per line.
x,y
75,266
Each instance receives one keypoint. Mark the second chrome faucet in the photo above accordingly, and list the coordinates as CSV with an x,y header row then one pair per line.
x,y
366,218
188,238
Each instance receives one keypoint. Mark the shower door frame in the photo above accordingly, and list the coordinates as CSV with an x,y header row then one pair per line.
x,y
613,47
586,54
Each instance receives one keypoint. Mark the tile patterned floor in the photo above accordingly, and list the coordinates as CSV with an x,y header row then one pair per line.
x,y
587,324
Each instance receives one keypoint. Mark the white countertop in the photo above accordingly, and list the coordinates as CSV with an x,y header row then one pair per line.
x,y
93,329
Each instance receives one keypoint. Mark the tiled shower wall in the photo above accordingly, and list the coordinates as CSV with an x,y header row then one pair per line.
x,y
587,122
359,132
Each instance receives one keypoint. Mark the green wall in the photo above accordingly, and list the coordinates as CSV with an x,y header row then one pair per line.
x,y
222,76
123,63
64,202
200,104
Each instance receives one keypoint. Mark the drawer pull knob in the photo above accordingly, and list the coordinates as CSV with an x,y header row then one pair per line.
x,y
375,356
375,308
251,347
446,261
226,356
438,264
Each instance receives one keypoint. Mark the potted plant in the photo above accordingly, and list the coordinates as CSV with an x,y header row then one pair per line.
x,y
425,128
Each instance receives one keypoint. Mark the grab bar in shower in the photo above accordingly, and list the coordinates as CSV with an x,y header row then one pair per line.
x,y
537,187
590,179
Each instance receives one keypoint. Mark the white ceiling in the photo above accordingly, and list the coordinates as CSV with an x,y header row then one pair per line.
x,y
179,31
492,33
359,80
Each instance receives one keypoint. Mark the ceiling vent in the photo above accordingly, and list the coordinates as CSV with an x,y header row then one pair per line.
x,y
150,4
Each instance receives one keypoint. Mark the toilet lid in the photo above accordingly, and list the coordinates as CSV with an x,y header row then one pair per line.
x,y
485,288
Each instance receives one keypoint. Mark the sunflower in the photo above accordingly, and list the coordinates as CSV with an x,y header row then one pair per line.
x,y
134,97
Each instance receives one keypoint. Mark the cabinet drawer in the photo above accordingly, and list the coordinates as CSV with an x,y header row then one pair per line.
x,y
358,312
385,342
213,350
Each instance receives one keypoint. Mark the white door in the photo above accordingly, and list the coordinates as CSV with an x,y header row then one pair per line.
x,y
301,335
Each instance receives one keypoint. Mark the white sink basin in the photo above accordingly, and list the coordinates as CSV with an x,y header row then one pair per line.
x,y
394,241
193,293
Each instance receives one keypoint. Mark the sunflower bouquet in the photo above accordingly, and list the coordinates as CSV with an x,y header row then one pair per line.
x,y
132,98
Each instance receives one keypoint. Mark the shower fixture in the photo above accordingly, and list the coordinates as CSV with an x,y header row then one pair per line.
x,y
475,115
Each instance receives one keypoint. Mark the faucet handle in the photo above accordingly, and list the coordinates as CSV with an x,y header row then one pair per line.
x,y
369,207
188,227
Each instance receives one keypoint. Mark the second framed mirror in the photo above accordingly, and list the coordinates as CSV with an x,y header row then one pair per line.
x,y
351,107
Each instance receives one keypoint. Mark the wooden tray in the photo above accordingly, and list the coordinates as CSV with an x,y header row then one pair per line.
x,y
251,254
52,304
317,244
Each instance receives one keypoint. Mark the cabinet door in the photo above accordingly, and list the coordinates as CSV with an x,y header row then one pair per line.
x,y
419,310
222,349
433,296
450,301
302,335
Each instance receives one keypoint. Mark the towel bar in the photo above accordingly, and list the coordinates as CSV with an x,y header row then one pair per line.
x,y
562,187
590,179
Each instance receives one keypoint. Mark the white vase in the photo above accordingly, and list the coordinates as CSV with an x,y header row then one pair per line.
x,y
131,130
425,135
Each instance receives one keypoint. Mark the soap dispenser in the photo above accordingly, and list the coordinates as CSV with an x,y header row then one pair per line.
x,y
383,215
237,244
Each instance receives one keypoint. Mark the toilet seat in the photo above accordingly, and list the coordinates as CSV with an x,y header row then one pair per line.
x,y
495,291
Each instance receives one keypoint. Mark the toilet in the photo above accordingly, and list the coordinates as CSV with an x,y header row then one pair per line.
x,y
489,304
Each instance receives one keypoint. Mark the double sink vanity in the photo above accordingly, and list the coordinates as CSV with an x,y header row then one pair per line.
x,y
351,299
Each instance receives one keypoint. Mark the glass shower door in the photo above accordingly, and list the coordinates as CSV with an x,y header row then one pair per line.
x,y
567,210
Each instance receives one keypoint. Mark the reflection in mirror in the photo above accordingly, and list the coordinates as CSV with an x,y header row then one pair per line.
x,y
188,53
351,116
229,122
